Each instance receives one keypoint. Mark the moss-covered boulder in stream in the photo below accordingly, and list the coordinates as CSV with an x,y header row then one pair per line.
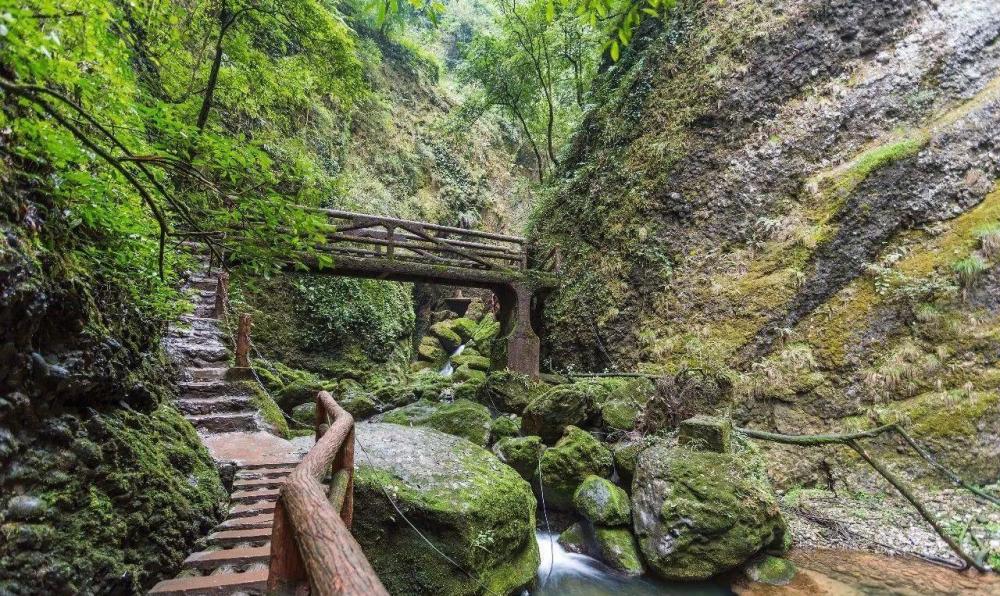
x,y
449,338
617,548
509,391
550,413
478,511
503,426
564,467
461,418
602,502
698,513
522,454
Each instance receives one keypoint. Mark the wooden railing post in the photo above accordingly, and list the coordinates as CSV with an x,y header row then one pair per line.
x,y
243,341
286,571
221,294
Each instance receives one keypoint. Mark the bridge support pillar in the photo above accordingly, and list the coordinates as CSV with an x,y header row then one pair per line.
x,y
523,345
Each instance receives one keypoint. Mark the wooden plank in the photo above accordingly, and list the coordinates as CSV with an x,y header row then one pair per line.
x,y
213,585
399,223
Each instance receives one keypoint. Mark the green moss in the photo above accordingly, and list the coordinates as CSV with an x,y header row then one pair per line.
x,y
123,506
618,549
576,456
969,270
842,181
773,571
574,539
522,454
465,373
601,502
449,338
550,413
509,391
505,426
473,360
462,418
269,409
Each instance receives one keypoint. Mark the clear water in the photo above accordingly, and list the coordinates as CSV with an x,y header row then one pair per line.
x,y
448,367
563,573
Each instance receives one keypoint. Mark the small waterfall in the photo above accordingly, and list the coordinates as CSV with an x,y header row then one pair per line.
x,y
448,367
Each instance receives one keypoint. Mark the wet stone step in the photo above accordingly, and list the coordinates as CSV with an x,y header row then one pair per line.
x,y
251,483
214,388
232,556
251,522
252,509
197,406
249,496
228,538
264,472
225,423
223,583
200,375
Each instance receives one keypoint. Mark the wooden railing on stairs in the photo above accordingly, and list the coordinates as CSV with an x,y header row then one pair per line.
x,y
311,542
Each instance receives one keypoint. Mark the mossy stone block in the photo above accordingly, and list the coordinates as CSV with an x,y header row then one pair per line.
x,y
708,433
574,539
767,569
576,456
617,548
505,426
522,454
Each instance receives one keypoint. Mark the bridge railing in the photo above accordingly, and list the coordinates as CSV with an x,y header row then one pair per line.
x,y
372,236
311,542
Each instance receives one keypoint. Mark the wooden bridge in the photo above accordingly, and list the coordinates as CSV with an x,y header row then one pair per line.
x,y
372,246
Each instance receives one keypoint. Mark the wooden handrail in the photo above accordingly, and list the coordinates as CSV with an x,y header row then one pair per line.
x,y
311,542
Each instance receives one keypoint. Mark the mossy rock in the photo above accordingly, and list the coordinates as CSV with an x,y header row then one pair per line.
x,y
430,350
602,502
305,413
550,413
522,454
449,338
464,327
462,418
770,570
699,513
466,374
505,426
510,391
300,391
626,455
617,548
574,457
486,331
476,510
472,359
419,365
574,539
426,384
620,415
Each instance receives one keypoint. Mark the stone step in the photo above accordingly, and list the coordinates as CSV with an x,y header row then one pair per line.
x,y
213,388
264,472
204,330
222,583
199,406
225,423
252,509
235,557
200,375
228,538
200,353
204,309
249,496
269,464
252,522
251,483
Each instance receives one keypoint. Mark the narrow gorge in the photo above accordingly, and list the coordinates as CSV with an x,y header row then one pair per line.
x,y
485,297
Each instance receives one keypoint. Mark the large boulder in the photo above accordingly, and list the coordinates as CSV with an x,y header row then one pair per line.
x,y
449,338
550,413
697,513
616,547
468,504
564,467
461,418
623,401
601,502
509,391
522,454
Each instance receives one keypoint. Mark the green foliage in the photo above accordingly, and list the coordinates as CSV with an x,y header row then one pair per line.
x,y
969,270
375,314
989,240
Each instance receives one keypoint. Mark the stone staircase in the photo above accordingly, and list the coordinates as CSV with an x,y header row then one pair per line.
x,y
235,556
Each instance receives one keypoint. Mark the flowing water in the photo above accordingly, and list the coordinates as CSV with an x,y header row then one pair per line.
x,y
563,573
448,366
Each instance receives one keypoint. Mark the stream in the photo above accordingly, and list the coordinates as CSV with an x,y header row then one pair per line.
x,y
449,367
562,573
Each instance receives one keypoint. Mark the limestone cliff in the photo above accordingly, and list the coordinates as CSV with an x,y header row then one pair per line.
x,y
796,199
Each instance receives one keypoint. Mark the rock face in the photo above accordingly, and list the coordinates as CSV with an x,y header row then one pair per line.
x,y
564,467
699,513
819,209
478,511
461,418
